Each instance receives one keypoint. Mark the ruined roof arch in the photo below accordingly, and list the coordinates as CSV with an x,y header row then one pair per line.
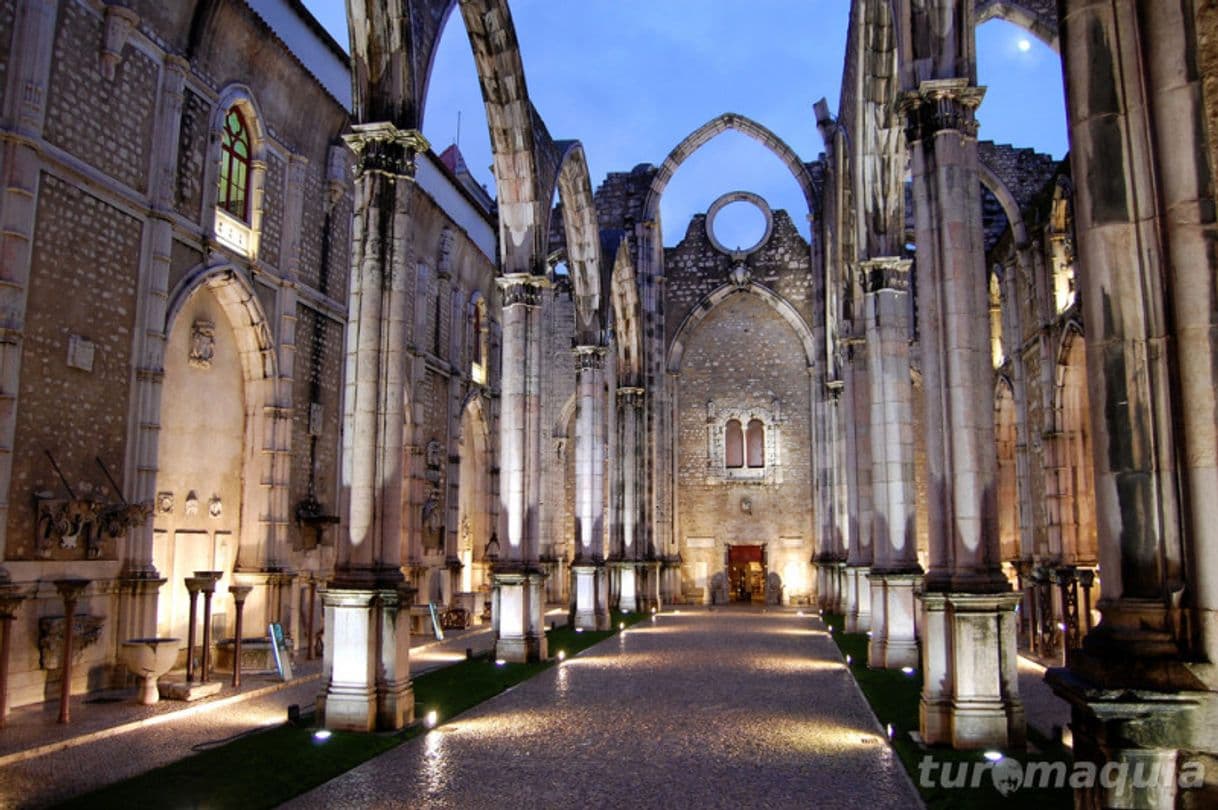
x,y
583,242
708,132
1037,17
1010,207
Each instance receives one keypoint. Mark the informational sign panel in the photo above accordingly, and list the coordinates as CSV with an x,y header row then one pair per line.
x,y
435,621
279,646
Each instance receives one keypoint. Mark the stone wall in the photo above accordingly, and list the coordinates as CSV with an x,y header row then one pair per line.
x,y
81,284
106,123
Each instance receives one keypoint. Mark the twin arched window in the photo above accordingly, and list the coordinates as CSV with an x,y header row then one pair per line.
x,y
744,447
233,194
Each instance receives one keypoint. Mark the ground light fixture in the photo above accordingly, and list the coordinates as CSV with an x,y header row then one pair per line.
x,y
993,756
562,655
321,735
499,662
579,629
891,731
621,625
431,718
908,671
849,659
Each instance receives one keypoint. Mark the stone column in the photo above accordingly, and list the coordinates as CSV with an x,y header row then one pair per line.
x,y
24,113
367,655
519,618
588,567
895,569
970,698
1143,688
858,474
630,414
10,601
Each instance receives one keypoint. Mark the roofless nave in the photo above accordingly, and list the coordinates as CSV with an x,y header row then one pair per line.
x,y
975,413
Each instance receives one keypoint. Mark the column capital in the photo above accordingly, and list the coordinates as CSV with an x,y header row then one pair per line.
x,y
940,105
522,288
885,273
589,357
631,396
382,148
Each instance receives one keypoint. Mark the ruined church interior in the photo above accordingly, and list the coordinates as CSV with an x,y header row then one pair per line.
x,y
284,383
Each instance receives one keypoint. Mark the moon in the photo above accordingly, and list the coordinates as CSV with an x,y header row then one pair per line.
x,y
1025,45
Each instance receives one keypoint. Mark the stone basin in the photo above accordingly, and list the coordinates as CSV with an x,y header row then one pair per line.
x,y
149,659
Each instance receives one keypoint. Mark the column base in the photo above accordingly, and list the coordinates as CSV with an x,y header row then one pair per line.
x,y
858,599
366,667
586,581
628,587
519,613
1161,748
894,639
970,694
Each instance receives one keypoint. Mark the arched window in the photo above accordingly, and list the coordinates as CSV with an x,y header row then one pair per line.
x,y
734,445
478,342
233,194
756,444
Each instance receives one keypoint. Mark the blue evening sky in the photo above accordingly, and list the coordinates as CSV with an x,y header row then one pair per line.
x,y
632,78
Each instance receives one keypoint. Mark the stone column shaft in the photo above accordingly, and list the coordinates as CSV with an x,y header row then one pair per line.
x,y
589,563
24,113
519,615
367,660
859,550
895,566
969,698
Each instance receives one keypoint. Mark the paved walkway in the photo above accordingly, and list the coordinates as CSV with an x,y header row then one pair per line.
x,y
698,709
42,762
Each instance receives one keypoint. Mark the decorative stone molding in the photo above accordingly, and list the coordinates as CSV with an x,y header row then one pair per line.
x,y
522,288
382,148
86,631
120,22
630,397
727,199
941,105
885,274
83,528
202,343
589,358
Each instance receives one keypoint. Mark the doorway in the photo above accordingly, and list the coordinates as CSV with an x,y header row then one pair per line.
x,y
746,574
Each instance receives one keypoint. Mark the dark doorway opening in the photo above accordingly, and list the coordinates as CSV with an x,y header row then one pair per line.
x,y
746,574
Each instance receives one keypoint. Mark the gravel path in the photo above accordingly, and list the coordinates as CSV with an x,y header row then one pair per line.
x,y
698,709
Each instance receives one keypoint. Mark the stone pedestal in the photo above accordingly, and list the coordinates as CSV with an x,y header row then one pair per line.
x,y
1150,739
519,614
366,668
894,635
587,580
858,599
970,696
628,585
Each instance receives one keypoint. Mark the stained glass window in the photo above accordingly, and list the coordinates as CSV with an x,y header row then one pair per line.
x,y
233,195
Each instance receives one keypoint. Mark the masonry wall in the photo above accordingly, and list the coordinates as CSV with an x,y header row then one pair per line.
x,y
741,360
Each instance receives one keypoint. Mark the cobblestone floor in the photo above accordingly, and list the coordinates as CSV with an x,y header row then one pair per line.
x,y
102,745
698,709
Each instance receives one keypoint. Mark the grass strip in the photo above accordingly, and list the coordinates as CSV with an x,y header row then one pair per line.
x,y
267,768
894,697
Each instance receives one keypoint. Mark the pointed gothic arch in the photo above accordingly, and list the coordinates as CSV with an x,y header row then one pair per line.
x,y
1037,17
708,132
780,305
583,241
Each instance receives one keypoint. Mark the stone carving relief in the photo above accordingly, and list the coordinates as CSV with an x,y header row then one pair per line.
x,y
86,631
191,507
164,503
202,343
86,524
215,508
